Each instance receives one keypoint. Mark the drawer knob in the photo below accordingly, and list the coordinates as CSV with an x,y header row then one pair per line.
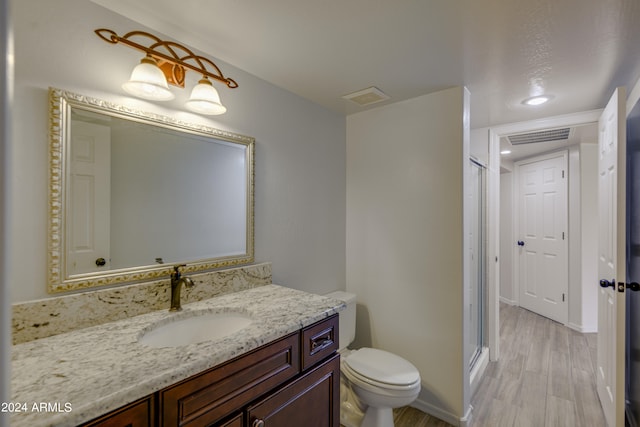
x,y
258,423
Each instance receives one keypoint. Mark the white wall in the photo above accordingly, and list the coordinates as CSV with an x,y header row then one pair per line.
x,y
479,145
507,239
575,239
405,252
589,237
300,146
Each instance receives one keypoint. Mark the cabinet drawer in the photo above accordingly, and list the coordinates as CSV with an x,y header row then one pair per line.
x,y
319,341
208,397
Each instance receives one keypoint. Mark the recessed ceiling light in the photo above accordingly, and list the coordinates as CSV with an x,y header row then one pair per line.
x,y
537,100
503,152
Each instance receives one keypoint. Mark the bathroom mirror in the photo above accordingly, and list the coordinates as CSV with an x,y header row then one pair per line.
x,y
133,193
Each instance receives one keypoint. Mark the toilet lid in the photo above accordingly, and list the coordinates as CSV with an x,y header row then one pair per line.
x,y
382,366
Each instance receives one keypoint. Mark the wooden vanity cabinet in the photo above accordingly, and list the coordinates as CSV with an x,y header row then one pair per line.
x,y
137,414
293,381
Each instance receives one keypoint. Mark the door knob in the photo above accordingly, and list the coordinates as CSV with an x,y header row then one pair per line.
x,y
100,262
520,243
606,283
258,423
634,286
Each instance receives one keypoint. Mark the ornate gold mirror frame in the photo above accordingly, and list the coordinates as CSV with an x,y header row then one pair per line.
x,y
59,280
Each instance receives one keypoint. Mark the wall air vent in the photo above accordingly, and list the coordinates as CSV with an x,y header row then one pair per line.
x,y
540,136
367,96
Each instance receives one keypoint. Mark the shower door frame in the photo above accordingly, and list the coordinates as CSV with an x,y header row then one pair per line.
x,y
480,300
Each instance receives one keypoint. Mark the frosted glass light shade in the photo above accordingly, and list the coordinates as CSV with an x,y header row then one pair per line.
x,y
148,81
205,99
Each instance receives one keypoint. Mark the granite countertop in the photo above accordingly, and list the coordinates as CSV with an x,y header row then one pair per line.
x,y
74,377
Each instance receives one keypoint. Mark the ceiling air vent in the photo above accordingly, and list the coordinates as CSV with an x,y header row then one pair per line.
x,y
367,96
540,136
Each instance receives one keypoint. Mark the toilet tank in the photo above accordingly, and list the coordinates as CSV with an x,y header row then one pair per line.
x,y
347,323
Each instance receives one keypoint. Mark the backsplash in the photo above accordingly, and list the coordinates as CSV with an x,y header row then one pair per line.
x,y
52,316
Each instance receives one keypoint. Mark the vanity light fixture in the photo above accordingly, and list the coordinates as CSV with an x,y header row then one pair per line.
x,y
165,63
204,99
148,81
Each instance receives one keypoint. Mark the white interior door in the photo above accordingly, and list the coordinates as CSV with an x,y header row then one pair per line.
x,y
611,258
89,202
542,250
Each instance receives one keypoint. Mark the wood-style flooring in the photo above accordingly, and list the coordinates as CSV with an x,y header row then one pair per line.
x,y
545,378
411,417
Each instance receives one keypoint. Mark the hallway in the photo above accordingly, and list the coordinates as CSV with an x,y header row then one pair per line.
x,y
545,376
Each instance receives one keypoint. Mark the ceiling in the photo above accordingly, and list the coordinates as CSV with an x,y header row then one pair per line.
x,y
503,51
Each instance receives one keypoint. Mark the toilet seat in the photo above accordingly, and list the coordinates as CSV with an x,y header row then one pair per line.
x,y
381,369
378,387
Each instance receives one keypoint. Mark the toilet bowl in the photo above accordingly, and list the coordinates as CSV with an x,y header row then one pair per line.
x,y
373,381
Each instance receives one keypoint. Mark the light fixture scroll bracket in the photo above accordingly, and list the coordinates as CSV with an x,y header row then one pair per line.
x,y
172,58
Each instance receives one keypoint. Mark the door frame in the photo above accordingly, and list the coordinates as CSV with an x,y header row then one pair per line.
x,y
633,97
517,225
612,347
493,209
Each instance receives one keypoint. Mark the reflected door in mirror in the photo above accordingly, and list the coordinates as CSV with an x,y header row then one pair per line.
x,y
89,197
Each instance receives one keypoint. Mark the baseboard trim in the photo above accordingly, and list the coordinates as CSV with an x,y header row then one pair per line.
x,y
508,301
436,411
443,414
581,329
468,417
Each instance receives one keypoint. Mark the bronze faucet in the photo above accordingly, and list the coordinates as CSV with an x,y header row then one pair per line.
x,y
176,284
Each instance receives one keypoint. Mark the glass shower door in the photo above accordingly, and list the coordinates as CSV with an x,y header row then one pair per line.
x,y
477,256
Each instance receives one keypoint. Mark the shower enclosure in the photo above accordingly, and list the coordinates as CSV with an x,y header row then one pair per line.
x,y
477,250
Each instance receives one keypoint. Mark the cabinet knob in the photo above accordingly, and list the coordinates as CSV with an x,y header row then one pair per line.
x,y
258,423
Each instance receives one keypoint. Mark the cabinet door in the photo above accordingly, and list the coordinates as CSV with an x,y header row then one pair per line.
x,y
237,421
312,400
209,397
136,414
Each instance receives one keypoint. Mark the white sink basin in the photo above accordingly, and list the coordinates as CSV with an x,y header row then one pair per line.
x,y
197,327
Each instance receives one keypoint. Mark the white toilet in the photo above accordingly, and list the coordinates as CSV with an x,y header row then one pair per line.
x,y
372,381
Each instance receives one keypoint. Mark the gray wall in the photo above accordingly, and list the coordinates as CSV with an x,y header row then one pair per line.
x,y
300,146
